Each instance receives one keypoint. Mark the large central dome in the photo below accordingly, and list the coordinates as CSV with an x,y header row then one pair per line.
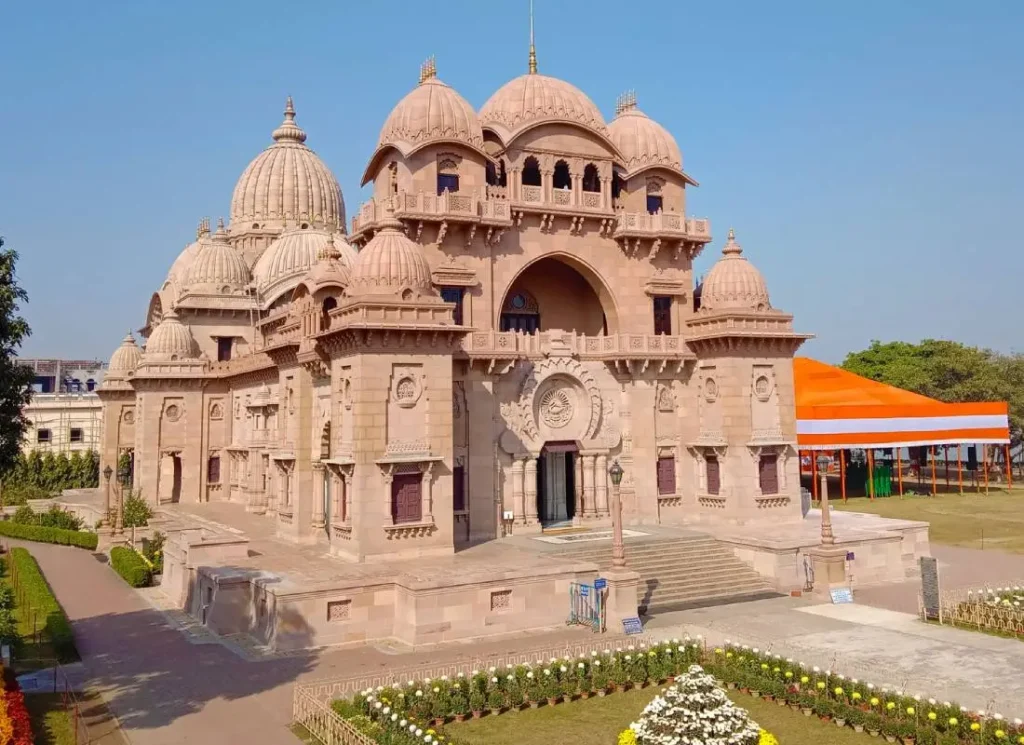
x,y
287,185
533,99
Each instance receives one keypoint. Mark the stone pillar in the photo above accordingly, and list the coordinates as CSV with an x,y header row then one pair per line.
x,y
621,598
518,505
428,494
601,490
578,488
589,492
318,495
338,502
531,490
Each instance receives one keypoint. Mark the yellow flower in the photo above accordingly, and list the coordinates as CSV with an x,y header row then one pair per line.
x,y
764,666
910,710
856,696
789,673
838,691
728,655
718,651
874,701
890,706
953,721
767,738
804,679
932,715
821,685
975,726
1000,734
627,737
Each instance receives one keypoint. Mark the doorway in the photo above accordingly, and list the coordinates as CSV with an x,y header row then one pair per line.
x,y
556,484
176,478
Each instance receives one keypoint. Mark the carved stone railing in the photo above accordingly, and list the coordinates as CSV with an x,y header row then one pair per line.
x,y
531,193
514,344
427,206
661,224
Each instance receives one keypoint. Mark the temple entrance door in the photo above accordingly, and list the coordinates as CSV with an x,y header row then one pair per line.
x,y
556,503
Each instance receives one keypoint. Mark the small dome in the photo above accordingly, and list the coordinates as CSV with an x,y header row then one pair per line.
x,y
171,340
641,140
287,185
218,265
391,264
431,112
125,358
290,257
330,268
179,271
733,283
533,99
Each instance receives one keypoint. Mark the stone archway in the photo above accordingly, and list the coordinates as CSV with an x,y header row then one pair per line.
x,y
563,292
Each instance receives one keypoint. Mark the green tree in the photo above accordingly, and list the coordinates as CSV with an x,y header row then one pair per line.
x,y
946,371
91,467
136,510
15,378
46,478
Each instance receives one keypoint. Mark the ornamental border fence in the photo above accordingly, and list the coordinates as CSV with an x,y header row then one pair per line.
x,y
963,607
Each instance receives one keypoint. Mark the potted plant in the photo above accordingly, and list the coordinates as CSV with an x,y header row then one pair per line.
x,y
551,690
823,708
516,695
600,678
873,723
855,718
460,706
619,676
907,732
439,709
890,729
807,704
477,702
495,700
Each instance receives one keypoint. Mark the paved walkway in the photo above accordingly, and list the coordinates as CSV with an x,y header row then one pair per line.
x,y
168,687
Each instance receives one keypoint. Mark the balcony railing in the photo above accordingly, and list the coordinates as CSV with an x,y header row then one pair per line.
x,y
514,344
428,206
645,224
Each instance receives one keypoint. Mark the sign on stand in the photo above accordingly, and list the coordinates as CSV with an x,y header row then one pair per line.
x,y
586,606
841,595
632,625
600,583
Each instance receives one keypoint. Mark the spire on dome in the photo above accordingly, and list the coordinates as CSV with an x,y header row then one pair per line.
x,y
289,130
625,102
204,228
330,251
428,70
732,248
533,49
389,221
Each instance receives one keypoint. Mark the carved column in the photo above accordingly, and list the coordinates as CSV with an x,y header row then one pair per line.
x,y
388,475
601,476
318,495
518,506
578,487
606,193
531,490
428,493
589,482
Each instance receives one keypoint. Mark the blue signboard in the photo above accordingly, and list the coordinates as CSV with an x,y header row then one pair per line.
x,y
850,556
841,595
600,583
632,625
584,591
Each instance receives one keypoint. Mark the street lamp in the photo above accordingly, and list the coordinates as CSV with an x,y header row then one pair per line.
x,y
827,538
618,550
107,472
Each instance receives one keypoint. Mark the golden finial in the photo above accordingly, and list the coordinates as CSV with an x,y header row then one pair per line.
x,y
533,49
625,102
428,69
732,235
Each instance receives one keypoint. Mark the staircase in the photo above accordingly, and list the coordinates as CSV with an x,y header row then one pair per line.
x,y
680,572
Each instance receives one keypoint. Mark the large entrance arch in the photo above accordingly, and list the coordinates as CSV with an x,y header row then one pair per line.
x,y
558,291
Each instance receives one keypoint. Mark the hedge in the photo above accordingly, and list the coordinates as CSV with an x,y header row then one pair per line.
x,y
38,595
131,566
79,538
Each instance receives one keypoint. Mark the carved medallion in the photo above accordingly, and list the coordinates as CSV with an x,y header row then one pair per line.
x,y
556,407
173,412
710,389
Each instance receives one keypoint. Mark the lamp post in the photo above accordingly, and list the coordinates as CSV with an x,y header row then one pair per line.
x,y
618,550
107,472
827,538
119,517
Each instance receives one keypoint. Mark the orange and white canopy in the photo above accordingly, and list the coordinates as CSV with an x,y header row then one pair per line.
x,y
837,409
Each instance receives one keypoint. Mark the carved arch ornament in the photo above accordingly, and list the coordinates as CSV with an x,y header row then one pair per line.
x,y
542,397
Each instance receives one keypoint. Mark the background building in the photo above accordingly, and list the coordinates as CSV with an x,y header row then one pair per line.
x,y
65,414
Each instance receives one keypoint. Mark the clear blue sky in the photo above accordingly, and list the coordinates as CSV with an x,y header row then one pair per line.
x,y
869,155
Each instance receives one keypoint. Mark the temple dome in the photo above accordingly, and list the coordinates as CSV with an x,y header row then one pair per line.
x,y
641,140
733,283
287,185
125,358
219,265
534,99
391,264
331,268
431,112
170,340
290,257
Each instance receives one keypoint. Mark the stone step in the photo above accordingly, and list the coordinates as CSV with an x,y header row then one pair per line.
x,y
639,552
668,562
695,573
725,585
665,604
640,545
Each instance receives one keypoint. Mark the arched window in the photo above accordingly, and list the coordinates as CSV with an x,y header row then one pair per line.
x,y
90,384
618,186
393,177
520,313
447,176
562,178
326,307
531,172
496,174
591,178
654,201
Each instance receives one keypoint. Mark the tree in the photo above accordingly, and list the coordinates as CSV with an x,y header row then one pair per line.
x,y
15,378
946,371
136,510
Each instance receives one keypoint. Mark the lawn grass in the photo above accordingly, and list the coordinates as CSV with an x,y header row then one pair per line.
x,y
599,720
51,724
35,618
993,521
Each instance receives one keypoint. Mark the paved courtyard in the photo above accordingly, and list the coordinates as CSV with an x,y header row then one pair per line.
x,y
166,686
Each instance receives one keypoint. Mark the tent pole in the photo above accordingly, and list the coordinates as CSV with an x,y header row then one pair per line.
x,y
959,471
814,477
899,470
984,458
842,473
1009,471
945,463
871,474
932,448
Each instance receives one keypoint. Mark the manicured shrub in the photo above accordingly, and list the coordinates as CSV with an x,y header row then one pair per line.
x,y
38,595
79,538
131,566
17,494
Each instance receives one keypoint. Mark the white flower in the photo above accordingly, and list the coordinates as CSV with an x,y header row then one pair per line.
x,y
412,728
997,717
410,684
508,677
418,732
841,677
377,705
597,663
562,668
419,694
547,672
593,653
403,723
630,647
380,688
728,642
553,660
816,669
387,710
444,677
917,697
530,674
494,680
579,665
427,738
756,650
394,717
931,701
436,689
1017,722
491,669
463,675
629,657
426,681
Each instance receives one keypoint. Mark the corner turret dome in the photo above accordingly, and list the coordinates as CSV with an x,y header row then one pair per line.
x,y
125,358
533,99
332,268
281,267
641,140
218,267
733,283
391,264
287,185
171,340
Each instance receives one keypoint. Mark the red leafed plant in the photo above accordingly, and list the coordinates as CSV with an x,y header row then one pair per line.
x,y
16,713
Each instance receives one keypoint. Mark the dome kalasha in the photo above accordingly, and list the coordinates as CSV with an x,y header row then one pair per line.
x,y
290,257
332,268
170,340
287,185
641,140
733,283
534,98
391,264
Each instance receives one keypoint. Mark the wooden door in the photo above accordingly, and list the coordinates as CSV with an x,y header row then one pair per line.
x,y
667,475
406,498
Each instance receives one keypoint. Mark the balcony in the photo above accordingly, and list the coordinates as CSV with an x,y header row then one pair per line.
x,y
512,345
423,207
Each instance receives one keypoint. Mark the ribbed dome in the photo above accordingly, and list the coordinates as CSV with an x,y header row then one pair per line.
x,y
171,340
331,268
290,257
641,140
218,265
287,185
533,98
391,264
125,358
431,112
733,283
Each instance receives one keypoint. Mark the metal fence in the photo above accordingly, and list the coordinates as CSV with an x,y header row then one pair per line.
x,y
995,610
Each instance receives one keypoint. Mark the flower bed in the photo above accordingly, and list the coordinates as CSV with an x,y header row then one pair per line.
x,y
131,565
29,579
42,534
15,726
418,710
992,610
